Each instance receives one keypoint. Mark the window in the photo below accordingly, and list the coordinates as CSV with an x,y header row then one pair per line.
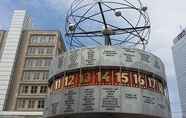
x,y
51,39
36,76
47,62
31,103
33,89
41,103
29,63
20,103
41,51
43,89
42,39
24,89
34,62
38,62
45,75
34,39
31,51
27,75
49,50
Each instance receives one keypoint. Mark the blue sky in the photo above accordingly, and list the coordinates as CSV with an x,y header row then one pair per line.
x,y
167,19
42,14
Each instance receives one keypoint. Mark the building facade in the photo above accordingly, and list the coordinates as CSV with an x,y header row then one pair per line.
x,y
179,55
28,87
25,56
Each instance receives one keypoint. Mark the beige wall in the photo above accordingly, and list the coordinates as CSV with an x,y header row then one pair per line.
x,y
17,82
3,35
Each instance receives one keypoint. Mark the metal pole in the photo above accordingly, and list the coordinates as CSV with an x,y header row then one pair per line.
x,y
107,36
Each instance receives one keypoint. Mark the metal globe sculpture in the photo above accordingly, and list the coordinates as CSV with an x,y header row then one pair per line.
x,y
107,22
105,77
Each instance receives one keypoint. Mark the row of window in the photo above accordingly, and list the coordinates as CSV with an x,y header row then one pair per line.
x,y
40,51
42,39
33,89
35,75
30,104
37,62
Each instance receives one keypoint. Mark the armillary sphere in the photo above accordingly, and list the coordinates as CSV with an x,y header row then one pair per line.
x,y
107,22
